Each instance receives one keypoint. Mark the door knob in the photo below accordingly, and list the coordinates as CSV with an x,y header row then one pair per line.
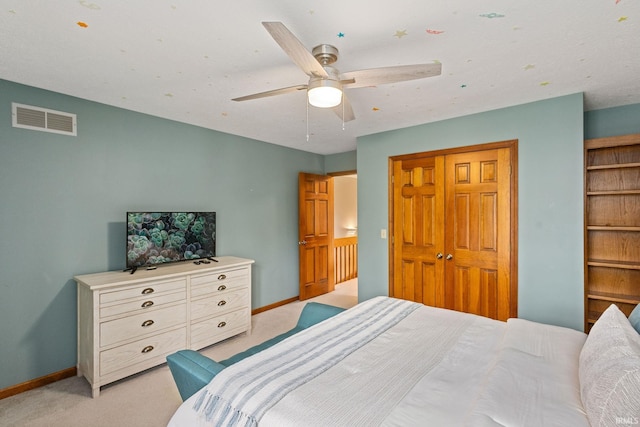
x,y
449,257
439,255
303,242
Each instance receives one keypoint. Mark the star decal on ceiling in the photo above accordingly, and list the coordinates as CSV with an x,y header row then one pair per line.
x,y
492,15
340,35
89,5
529,67
400,33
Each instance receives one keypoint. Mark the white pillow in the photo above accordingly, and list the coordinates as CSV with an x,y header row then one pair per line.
x,y
609,370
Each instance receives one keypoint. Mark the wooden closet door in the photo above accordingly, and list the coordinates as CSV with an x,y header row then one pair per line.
x,y
478,233
418,231
453,222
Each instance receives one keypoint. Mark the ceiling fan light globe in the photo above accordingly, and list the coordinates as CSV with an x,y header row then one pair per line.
x,y
324,94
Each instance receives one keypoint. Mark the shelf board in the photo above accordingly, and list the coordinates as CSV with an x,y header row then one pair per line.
x,y
612,228
592,316
612,192
614,166
607,296
612,141
628,265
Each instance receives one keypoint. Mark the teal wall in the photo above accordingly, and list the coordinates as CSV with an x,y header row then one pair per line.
x,y
615,121
550,208
340,162
63,202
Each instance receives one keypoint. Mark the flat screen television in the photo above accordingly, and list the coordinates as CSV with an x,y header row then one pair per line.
x,y
160,237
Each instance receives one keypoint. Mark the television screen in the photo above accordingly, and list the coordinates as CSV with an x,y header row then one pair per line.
x,y
159,237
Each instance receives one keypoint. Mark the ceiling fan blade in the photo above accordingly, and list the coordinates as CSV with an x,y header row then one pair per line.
x,y
384,75
344,108
271,93
295,49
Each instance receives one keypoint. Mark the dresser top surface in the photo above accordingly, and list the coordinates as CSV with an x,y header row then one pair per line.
x,y
167,271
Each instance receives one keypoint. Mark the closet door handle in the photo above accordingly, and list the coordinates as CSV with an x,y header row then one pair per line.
x,y
449,257
439,255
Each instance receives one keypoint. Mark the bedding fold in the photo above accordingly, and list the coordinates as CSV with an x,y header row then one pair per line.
x,y
534,382
242,393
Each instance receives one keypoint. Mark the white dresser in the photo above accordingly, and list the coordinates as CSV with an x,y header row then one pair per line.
x,y
131,322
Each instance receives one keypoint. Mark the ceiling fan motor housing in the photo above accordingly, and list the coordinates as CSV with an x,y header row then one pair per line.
x,y
325,54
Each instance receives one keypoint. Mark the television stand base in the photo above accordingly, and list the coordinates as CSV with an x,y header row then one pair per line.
x,y
132,269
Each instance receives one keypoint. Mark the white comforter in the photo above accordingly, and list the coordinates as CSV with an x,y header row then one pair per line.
x,y
433,367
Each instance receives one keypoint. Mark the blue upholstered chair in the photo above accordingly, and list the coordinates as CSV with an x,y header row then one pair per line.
x,y
191,370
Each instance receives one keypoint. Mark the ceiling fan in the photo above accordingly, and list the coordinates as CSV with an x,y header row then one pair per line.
x,y
326,83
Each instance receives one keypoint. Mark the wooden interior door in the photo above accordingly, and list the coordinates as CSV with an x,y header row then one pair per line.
x,y
453,222
315,234
418,204
478,233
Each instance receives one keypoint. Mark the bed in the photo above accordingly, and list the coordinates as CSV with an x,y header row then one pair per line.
x,y
391,362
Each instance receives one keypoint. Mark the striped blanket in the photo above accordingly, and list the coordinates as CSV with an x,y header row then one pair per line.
x,y
242,393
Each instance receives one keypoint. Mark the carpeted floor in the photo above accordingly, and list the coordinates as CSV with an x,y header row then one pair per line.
x,y
151,397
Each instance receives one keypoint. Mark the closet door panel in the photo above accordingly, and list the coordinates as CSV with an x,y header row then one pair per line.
x,y
477,262
418,209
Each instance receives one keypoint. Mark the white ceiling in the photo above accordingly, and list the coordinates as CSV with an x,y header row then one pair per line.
x,y
185,60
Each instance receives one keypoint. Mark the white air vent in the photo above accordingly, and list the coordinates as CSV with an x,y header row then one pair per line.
x,y
36,118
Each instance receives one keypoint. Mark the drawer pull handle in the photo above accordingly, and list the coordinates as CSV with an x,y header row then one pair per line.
x,y
146,291
147,349
147,304
222,324
221,303
222,287
222,277
147,323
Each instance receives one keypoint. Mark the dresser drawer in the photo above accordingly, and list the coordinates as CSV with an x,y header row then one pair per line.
x,y
142,303
141,324
147,289
155,347
219,303
212,330
219,282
